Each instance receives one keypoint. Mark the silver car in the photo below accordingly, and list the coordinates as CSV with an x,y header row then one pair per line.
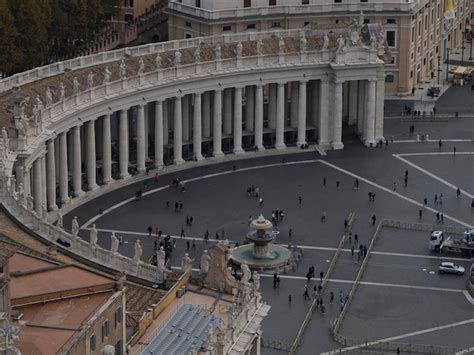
x,y
450,268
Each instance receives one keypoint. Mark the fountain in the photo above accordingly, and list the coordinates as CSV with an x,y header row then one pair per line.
x,y
262,253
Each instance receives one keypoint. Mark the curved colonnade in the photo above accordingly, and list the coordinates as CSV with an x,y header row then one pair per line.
x,y
189,100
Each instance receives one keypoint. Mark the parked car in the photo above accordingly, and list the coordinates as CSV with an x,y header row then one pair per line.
x,y
450,268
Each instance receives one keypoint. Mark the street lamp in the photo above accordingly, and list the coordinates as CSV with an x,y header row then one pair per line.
x,y
462,49
447,64
439,67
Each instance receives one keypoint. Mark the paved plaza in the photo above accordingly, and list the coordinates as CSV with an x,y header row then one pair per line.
x,y
401,297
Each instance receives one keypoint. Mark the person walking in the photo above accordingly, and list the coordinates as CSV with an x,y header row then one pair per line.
x,y
193,246
454,150
441,216
352,250
306,293
337,184
299,200
458,193
188,245
289,299
440,144
324,181
149,231
331,298
435,199
420,213
321,274
373,220
260,201
356,238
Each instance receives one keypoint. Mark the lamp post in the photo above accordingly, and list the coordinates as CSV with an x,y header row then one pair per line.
x,y
462,49
439,67
447,64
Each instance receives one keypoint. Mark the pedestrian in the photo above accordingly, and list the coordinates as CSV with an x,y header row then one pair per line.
x,y
406,174
260,201
406,181
167,204
193,246
289,299
395,186
306,293
454,150
250,219
180,206
321,274
361,249
217,236
365,250
311,269
352,250
176,206
373,220
182,233
345,224
350,237
441,198
187,220
436,199
274,283
440,144
437,217
278,281
337,184
281,215
425,201
324,181
420,213
370,196
458,193
373,196
323,217
257,192
331,299
299,200
308,277
441,216
149,231
356,238
188,244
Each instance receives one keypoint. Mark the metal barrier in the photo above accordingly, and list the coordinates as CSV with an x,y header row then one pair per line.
x,y
275,344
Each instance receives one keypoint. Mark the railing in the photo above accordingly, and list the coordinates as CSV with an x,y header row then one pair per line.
x,y
424,227
275,344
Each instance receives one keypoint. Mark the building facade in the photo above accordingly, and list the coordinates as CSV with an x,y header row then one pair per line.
x,y
416,31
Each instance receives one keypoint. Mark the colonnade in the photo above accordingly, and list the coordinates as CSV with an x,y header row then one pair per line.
x,y
192,126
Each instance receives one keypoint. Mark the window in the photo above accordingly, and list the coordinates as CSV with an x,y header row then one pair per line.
x,y
118,348
198,3
363,0
391,38
247,3
105,330
92,344
304,2
437,49
276,24
424,61
251,26
128,17
337,21
188,35
337,0
389,78
413,34
366,20
272,2
118,316
188,24
227,28
306,23
391,21
392,60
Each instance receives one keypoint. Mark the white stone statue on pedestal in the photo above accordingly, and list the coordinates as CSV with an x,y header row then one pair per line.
x,y
123,69
107,75
160,259
325,42
373,40
361,18
76,86
186,264
21,194
355,38
114,243
59,223
62,91
281,45
158,61
49,97
177,58
218,51
260,46
141,66
246,273
93,236
256,281
341,44
75,227
90,80
197,54
205,260
13,185
138,251
238,50
303,44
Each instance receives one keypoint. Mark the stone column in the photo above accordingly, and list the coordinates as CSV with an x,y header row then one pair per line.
x,y
323,124
63,168
301,114
294,105
43,180
91,156
352,102
227,119
280,117
123,144
272,95
314,103
141,139
37,195
51,176
77,161
106,150
249,108
206,114
26,183
369,127
159,134
147,130
197,122
165,121
259,117
238,120
379,107
185,115
178,131
217,127
361,106
337,116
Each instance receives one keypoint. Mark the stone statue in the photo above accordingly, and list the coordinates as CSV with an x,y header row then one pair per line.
x,y
30,202
160,258
108,350
218,51
37,116
62,91
186,264
114,243
123,69
281,45
355,38
59,223
141,66
93,236
158,61
5,140
177,58
90,80
205,259
246,273
44,212
260,46
75,227
325,42
76,86
256,281
49,97
373,40
341,43
38,102
303,44
107,75
238,50
361,18
197,54
21,192
138,251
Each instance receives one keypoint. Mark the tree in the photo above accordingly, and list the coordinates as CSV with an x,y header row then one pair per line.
x,y
10,54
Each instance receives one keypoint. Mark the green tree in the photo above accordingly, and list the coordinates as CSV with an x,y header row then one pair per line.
x,y
10,54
